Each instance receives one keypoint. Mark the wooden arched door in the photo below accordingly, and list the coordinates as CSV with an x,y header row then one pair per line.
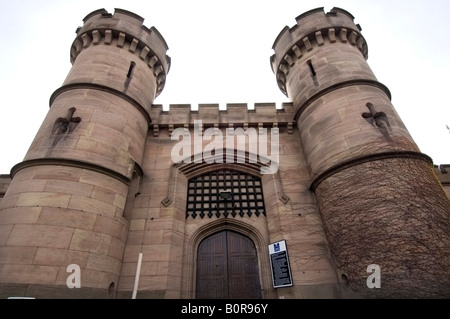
x,y
227,267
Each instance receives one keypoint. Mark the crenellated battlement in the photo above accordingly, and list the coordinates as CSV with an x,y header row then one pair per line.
x,y
235,115
314,29
124,29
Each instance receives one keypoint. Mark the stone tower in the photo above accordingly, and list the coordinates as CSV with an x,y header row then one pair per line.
x,y
65,206
356,202
380,202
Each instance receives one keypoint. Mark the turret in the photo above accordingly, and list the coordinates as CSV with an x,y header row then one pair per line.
x,y
62,217
379,199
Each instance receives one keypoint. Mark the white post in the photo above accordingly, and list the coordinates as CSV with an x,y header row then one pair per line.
x,y
136,280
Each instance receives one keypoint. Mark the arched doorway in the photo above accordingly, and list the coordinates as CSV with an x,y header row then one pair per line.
x,y
227,267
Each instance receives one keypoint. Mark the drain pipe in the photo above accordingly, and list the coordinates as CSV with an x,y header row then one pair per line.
x,y
136,279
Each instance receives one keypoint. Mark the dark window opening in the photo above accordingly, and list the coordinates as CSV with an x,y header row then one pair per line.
x,y
311,68
130,69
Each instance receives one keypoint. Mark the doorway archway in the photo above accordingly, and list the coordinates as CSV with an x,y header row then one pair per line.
x,y
227,267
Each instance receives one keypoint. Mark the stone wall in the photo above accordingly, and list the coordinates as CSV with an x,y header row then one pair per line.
x,y
397,221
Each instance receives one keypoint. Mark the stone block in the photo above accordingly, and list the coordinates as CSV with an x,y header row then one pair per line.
x,y
60,257
156,252
28,274
90,241
40,199
68,187
22,215
14,255
103,181
117,228
137,224
41,236
5,231
98,262
27,186
67,218
92,206
49,172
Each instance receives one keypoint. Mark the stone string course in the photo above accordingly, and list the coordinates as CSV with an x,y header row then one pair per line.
x,y
260,115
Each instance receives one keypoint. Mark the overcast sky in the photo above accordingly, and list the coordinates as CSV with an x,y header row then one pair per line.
x,y
220,53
